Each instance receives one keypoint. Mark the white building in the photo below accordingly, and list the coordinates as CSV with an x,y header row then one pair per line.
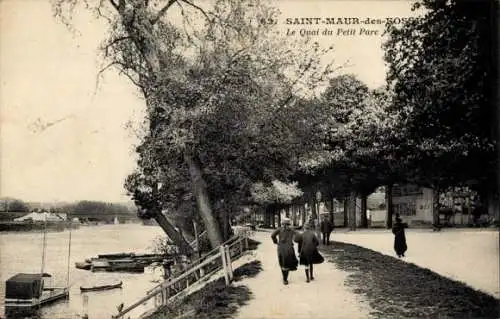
x,y
43,216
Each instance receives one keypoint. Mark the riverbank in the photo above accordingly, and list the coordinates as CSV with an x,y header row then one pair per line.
x,y
29,226
397,289
215,300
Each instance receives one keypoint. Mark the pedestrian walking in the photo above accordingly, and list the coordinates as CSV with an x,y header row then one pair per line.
x,y
284,237
399,237
326,229
308,250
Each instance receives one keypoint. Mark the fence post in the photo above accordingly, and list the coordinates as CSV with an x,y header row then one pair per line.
x,y
229,263
242,246
246,243
224,264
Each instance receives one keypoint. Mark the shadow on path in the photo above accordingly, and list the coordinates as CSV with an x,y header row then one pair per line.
x,y
396,288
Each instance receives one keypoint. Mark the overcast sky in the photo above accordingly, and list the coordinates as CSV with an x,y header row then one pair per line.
x,y
48,75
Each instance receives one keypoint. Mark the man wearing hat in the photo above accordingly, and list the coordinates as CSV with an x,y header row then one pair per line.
x,y
284,237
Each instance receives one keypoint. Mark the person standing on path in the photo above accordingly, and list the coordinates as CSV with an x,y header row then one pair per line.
x,y
326,229
308,250
399,237
284,237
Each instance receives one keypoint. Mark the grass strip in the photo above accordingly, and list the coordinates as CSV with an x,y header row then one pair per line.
x,y
395,288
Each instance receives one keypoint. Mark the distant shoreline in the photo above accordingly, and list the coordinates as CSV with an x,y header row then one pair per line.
x,y
23,226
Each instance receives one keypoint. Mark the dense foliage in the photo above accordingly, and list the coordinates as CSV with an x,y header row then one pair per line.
x,y
442,70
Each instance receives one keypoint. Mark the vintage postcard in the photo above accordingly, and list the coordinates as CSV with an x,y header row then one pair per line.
x,y
249,159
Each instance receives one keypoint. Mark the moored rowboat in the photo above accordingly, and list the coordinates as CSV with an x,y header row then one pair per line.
x,y
101,287
83,265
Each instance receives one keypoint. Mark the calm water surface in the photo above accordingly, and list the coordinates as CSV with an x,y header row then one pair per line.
x,y
22,252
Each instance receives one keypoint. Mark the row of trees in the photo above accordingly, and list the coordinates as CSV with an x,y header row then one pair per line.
x,y
232,119
97,210
82,209
13,205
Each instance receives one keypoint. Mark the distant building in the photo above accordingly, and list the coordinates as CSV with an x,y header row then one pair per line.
x,y
43,216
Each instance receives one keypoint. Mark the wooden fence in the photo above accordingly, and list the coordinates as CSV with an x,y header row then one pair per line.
x,y
200,269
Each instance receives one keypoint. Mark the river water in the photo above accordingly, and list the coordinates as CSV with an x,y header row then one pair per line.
x,y
22,252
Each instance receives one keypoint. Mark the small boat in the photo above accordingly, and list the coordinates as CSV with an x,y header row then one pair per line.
x,y
115,256
126,265
25,294
100,265
101,287
83,265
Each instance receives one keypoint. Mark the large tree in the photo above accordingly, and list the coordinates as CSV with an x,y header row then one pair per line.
x,y
442,68
354,143
215,88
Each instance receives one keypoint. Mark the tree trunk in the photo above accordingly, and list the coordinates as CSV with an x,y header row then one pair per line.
x,y
173,234
352,211
225,226
294,215
364,214
303,214
267,218
278,211
331,215
390,207
346,211
497,126
273,218
146,44
496,110
203,203
435,205
314,212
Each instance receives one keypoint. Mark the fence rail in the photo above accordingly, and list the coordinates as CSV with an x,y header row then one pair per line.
x,y
217,259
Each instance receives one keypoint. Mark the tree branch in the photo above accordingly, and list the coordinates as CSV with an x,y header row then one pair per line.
x,y
197,7
114,4
115,41
163,11
99,74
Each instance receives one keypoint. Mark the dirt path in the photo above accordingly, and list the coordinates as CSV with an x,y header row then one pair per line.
x,y
325,297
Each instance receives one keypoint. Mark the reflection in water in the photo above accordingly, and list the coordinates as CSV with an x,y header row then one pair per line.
x,y
22,252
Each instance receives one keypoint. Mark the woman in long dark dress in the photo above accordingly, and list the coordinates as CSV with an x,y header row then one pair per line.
x,y
283,237
399,237
308,250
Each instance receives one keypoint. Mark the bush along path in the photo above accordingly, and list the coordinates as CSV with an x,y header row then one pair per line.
x,y
397,289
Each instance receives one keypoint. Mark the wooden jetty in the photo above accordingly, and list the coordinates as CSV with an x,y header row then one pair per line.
x,y
25,294
120,262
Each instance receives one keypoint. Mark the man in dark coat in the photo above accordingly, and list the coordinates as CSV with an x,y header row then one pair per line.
x,y
308,250
283,237
399,237
326,229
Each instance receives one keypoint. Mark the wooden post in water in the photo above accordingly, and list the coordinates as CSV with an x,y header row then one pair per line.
x,y
229,264
222,252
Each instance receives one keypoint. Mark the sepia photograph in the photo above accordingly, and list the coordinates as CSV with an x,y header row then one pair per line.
x,y
249,159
